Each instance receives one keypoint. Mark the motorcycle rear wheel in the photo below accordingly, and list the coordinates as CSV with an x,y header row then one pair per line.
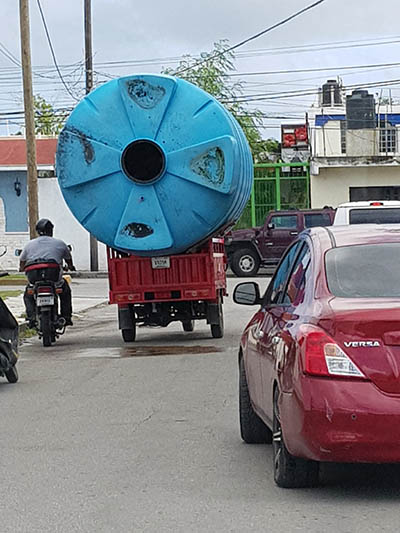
x,y
45,327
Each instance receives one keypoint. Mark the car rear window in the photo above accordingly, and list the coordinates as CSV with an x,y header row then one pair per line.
x,y
364,271
377,215
317,219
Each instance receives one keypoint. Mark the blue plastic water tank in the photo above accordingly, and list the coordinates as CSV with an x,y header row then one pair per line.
x,y
153,165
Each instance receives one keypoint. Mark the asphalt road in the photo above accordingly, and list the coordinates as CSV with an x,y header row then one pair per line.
x,y
98,436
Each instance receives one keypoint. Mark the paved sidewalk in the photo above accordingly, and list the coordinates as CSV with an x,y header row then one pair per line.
x,y
86,293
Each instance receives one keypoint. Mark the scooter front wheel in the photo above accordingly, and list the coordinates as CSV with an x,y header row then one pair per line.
x,y
12,375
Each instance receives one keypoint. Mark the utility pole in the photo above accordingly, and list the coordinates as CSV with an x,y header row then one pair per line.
x,y
32,181
94,249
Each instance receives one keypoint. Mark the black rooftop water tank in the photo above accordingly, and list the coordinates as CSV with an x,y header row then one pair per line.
x,y
360,110
331,94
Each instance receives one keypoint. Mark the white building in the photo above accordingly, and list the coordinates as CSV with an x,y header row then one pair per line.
x,y
355,147
14,233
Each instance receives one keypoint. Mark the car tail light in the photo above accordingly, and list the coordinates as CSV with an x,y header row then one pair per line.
x,y
44,290
322,356
376,203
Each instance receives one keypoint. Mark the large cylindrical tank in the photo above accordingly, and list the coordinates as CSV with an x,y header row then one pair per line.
x,y
360,110
153,165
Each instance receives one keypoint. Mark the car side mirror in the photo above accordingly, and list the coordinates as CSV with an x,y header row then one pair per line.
x,y
17,252
247,294
69,246
270,226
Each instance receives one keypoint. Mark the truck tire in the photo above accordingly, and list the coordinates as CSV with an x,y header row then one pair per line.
x,y
188,325
245,262
129,335
217,330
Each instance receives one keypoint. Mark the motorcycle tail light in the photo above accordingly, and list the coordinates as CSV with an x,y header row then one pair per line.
x,y
44,290
322,356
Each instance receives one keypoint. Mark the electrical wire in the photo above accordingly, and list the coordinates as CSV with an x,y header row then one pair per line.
x,y
52,52
251,38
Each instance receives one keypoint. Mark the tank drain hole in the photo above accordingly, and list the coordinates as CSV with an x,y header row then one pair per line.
x,y
143,161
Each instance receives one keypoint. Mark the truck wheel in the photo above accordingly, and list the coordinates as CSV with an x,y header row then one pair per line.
x,y
129,335
217,330
245,262
188,325
252,428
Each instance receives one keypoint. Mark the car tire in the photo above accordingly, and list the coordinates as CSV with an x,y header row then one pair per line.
x,y
252,428
245,262
289,471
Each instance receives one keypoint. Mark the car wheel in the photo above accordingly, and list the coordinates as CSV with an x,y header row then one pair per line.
x,y
290,471
252,428
245,262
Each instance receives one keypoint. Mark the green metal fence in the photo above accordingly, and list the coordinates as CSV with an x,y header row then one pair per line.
x,y
276,186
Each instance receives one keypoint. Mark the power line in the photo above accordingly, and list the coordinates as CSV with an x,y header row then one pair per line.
x,y
306,92
52,52
245,41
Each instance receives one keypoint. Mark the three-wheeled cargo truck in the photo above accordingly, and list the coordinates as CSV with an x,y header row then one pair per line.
x,y
155,291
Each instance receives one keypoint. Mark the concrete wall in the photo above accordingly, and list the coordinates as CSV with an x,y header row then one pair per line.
x,y
9,242
53,206
14,206
326,140
332,185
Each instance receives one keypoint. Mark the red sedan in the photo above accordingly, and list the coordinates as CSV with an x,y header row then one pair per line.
x,y
320,360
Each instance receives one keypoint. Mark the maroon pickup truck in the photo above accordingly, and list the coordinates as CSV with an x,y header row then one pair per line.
x,y
250,249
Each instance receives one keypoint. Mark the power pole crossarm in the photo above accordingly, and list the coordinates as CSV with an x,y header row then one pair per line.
x,y
32,182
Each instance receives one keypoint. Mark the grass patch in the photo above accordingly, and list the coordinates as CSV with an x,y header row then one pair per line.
x,y
13,277
9,294
27,334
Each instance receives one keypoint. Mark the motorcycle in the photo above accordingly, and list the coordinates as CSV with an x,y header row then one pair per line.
x,y
8,344
44,286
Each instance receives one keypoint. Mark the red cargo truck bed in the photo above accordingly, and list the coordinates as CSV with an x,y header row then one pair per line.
x,y
159,290
200,275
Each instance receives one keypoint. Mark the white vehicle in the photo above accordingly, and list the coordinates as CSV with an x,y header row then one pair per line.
x,y
369,212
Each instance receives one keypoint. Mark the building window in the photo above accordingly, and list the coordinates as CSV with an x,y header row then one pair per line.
x,y
343,127
387,138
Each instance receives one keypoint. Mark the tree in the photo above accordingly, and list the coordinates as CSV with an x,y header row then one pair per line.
x,y
211,73
47,120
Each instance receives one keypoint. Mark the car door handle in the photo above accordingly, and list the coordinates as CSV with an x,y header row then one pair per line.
x,y
294,233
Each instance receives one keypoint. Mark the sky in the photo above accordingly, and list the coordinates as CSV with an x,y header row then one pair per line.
x,y
141,37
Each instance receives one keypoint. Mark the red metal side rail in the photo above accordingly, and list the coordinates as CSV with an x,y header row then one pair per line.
x,y
190,276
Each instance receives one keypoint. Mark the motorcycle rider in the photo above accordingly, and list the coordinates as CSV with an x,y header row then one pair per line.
x,y
47,248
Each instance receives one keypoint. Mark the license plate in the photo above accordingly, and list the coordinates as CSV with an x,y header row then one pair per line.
x,y
160,262
45,300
